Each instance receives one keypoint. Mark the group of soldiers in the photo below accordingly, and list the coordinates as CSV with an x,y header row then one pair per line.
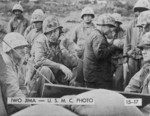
x,y
101,55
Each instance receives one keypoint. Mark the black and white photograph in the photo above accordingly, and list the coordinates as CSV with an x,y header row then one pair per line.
x,y
74,57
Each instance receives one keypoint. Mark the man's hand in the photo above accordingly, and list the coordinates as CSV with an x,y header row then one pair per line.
x,y
67,72
118,43
130,52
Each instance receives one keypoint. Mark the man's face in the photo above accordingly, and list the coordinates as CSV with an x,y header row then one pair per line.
x,y
20,52
38,25
109,31
146,54
117,24
144,28
17,13
87,18
54,35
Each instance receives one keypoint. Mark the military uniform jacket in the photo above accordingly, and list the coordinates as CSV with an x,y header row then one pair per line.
x,y
15,26
97,58
80,34
13,82
51,54
140,81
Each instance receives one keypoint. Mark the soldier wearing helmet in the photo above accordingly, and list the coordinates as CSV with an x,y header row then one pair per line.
x,y
79,35
132,54
143,21
35,29
117,57
48,52
37,20
140,83
81,32
97,54
18,23
118,19
13,83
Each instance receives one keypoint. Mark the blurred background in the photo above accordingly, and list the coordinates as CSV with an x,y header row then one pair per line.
x,y
69,11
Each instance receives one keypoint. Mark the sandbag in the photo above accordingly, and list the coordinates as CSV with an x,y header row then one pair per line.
x,y
45,110
146,110
107,103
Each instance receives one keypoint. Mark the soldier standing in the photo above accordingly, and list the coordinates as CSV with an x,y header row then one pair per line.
x,y
79,35
97,55
18,23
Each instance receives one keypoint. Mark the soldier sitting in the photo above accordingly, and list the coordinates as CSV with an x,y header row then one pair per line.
x,y
13,82
140,81
49,53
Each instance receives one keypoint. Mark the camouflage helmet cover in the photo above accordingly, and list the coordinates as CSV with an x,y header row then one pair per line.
x,y
143,18
37,15
13,40
17,7
106,19
50,23
117,17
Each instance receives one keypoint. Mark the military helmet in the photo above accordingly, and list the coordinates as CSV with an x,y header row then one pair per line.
x,y
17,7
142,4
50,23
106,19
145,41
37,15
144,18
117,17
87,10
13,40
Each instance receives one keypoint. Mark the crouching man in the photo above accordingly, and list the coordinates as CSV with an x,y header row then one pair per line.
x,y
55,62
